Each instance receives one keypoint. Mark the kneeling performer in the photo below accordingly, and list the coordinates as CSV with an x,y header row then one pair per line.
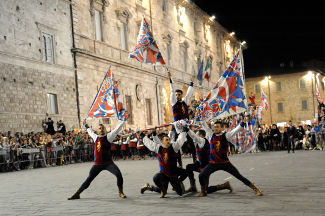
x,y
167,158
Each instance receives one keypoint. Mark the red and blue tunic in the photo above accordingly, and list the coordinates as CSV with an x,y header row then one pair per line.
x,y
102,151
124,146
141,145
133,144
180,111
203,154
219,149
167,159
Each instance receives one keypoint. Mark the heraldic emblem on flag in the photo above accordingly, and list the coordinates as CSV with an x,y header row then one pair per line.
x,y
108,102
245,140
147,50
228,95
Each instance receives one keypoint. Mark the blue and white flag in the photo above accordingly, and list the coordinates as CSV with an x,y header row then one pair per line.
x,y
227,97
108,102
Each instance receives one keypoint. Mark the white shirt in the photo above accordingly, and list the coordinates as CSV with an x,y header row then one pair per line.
x,y
155,144
187,97
110,136
230,136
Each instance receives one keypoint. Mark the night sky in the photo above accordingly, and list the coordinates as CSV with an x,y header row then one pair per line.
x,y
275,31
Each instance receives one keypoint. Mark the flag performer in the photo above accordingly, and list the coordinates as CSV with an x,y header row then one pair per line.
x,y
180,109
218,159
107,103
225,99
167,158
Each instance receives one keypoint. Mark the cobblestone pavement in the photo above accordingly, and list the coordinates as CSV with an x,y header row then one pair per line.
x,y
293,184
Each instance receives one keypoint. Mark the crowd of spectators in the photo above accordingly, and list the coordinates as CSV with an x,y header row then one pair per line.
x,y
60,147
43,149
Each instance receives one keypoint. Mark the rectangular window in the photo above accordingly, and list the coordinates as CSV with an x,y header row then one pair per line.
x,y
184,61
280,107
198,62
98,25
124,41
322,84
47,45
52,104
218,46
148,112
164,6
167,53
304,104
195,27
278,86
257,88
302,84
128,108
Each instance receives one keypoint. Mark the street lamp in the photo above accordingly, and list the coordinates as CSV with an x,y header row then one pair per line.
x,y
311,74
268,85
212,18
232,33
242,43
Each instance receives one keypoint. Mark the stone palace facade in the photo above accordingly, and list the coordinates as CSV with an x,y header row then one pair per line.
x,y
54,55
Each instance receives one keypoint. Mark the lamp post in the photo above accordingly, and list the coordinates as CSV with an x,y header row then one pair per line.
x,y
312,88
268,85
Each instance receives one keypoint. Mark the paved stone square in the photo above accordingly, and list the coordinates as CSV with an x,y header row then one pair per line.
x,y
293,184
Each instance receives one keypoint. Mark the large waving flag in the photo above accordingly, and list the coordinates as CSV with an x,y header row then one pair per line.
x,y
207,70
245,139
264,100
107,102
318,94
227,97
233,126
147,51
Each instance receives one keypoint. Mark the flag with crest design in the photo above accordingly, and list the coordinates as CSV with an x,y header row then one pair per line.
x,y
147,51
108,102
227,97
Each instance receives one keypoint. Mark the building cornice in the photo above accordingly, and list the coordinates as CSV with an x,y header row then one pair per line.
x,y
197,11
40,62
140,69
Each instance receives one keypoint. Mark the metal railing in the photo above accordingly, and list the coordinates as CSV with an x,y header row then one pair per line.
x,y
27,158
